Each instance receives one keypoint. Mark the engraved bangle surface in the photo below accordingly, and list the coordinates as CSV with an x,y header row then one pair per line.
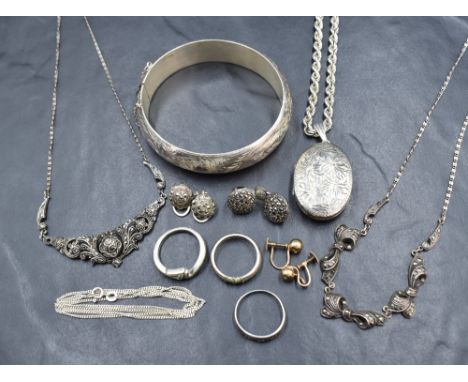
x,y
236,279
257,337
203,51
180,273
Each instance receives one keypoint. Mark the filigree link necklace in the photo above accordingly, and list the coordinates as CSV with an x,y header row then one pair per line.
x,y
401,301
112,246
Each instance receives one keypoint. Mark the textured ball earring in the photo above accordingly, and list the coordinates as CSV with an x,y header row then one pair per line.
x,y
181,197
203,207
275,206
241,201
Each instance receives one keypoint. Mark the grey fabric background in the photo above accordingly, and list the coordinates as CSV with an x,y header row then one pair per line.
x,y
389,70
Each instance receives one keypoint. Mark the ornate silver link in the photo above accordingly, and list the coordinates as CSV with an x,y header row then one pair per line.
x,y
309,129
387,312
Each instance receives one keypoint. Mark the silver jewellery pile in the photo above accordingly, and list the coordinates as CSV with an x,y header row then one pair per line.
x,y
322,186
323,176
112,246
242,200
187,273
198,52
401,301
184,200
260,337
85,304
291,272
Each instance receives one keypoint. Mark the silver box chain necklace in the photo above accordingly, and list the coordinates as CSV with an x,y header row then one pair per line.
x,y
323,177
112,246
401,301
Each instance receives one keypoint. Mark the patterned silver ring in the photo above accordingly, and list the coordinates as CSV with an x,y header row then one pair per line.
x,y
257,337
180,273
236,279
203,51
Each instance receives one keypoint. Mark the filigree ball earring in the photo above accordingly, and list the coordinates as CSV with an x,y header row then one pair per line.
x,y
184,200
181,197
203,207
241,201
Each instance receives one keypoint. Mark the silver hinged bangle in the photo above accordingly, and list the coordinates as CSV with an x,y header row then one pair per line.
x,y
256,337
236,279
180,273
204,51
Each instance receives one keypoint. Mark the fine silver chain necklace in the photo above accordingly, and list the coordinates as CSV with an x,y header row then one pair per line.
x,y
77,304
323,177
112,246
401,301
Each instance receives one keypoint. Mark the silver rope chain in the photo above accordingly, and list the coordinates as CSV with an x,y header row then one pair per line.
x,y
77,304
309,128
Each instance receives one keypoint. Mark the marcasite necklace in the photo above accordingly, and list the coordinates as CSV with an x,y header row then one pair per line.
x,y
323,177
401,301
111,246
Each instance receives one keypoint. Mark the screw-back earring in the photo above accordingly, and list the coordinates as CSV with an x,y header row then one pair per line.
x,y
294,247
293,272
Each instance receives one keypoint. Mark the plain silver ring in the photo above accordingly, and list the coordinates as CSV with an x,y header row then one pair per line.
x,y
179,273
236,279
256,337
202,51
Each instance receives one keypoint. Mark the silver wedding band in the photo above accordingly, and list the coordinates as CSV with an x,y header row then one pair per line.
x,y
203,51
257,337
236,279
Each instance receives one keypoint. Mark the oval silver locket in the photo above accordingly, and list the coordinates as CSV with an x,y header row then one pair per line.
x,y
323,180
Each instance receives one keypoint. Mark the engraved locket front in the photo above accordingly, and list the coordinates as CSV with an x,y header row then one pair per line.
x,y
323,180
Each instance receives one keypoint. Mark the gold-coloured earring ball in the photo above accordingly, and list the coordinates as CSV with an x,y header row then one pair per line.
x,y
295,246
288,273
